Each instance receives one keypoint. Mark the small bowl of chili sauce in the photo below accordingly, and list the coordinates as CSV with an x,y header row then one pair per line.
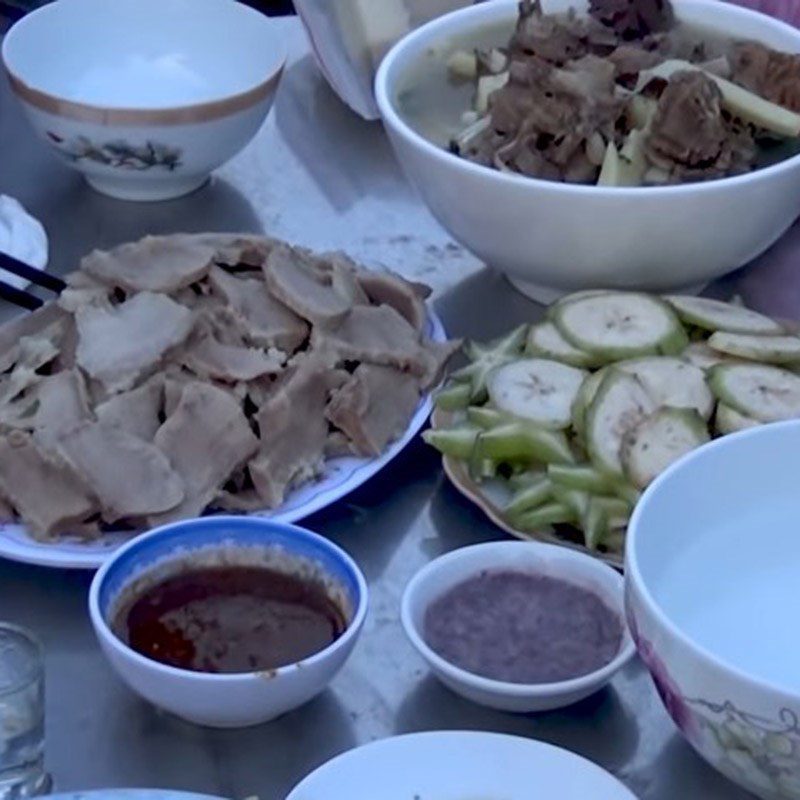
x,y
519,626
228,621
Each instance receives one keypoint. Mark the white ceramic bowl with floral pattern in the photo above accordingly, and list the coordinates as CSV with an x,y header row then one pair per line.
x,y
145,97
712,570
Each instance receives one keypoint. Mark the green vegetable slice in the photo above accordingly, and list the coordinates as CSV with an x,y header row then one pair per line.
x,y
582,477
537,389
621,404
532,496
583,399
619,325
456,442
659,440
546,341
544,516
485,357
729,420
760,391
715,315
672,381
574,499
702,356
518,441
772,349
454,397
485,417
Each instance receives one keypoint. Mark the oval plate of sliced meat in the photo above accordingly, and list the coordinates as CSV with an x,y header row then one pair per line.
x,y
192,374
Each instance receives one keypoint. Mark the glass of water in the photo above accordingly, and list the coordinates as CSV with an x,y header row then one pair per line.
x,y
21,715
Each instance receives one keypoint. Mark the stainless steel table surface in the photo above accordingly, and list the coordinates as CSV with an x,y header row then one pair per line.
x,y
316,174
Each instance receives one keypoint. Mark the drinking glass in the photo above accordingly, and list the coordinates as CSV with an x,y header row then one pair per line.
x,y
21,715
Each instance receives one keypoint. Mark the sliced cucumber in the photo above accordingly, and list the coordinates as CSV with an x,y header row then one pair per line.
x,y
524,441
760,391
454,397
772,349
714,315
621,404
671,381
529,497
544,516
702,356
545,340
729,420
536,389
485,357
659,440
583,399
456,442
619,325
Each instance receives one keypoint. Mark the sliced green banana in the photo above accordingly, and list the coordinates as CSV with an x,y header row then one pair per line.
x,y
546,341
715,315
621,404
660,440
772,349
729,420
760,391
583,399
537,389
619,325
673,382
704,357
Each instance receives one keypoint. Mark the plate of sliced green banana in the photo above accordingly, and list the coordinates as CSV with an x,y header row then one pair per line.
x,y
555,429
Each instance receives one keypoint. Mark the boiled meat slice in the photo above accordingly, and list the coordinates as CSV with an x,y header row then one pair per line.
x,y
209,358
129,476
374,406
136,411
267,322
116,346
46,493
153,264
297,281
293,429
408,299
206,438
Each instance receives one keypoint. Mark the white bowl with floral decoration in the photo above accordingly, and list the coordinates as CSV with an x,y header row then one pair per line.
x,y
145,97
712,561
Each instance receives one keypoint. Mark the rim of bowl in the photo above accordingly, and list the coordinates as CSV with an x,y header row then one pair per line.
x,y
468,19
633,573
103,630
214,108
626,650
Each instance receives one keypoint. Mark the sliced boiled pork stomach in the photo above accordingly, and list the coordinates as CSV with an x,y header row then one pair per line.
x,y
46,492
374,406
406,298
267,322
129,476
117,346
298,282
206,438
293,429
153,264
136,411
375,334
209,358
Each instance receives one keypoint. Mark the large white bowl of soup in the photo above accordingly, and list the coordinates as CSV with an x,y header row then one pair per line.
x,y
145,97
711,573
552,204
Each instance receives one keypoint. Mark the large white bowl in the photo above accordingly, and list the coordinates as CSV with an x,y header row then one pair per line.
x,y
447,571
225,700
713,559
459,765
551,237
145,97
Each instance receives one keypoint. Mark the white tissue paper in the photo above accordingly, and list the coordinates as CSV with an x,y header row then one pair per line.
x,y
350,37
21,236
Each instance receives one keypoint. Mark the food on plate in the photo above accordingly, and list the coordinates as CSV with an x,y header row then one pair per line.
x,y
626,96
568,420
229,617
188,372
522,627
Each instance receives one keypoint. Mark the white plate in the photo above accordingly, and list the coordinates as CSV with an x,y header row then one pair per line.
x,y
340,477
459,765
21,236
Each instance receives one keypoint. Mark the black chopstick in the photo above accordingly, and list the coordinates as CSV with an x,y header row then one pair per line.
x,y
18,297
40,278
